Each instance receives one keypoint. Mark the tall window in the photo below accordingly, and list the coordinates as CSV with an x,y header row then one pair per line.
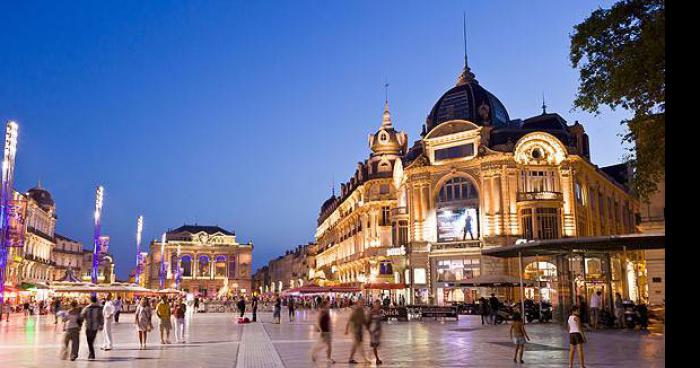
x,y
540,223
385,268
204,266
186,264
457,189
173,264
231,267
220,266
385,216
538,180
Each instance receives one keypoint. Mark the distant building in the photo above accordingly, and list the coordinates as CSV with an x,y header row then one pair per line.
x,y
209,258
293,269
66,255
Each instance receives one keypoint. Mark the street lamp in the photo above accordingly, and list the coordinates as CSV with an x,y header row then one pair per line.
x,y
99,195
8,170
139,229
163,270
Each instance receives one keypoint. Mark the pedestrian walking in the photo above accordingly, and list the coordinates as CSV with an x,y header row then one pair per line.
x,y
619,311
583,310
118,305
483,310
55,308
276,314
519,336
142,319
72,322
493,308
196,304
94,322
108,312
596,304
576,337
323,326
179,314
6,309
356,323
290,308
376,317
163,313
254,306
241,306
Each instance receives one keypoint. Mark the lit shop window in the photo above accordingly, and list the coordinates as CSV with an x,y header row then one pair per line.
x,y
458,269
419,276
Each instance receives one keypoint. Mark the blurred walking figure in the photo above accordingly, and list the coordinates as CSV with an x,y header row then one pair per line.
x,y
163,313
72,322
290,307
94,321
179,314
108,312
241,306
519,336
619,311
254,305
483,310
493,308
576,337
55,308
276,314
118,305
142,319
376,317
323,325
596,305
356,323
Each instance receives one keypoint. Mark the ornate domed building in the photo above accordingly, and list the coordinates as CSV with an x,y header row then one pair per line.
x,y
413,223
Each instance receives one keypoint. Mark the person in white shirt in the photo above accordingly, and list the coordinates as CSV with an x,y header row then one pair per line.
x,y
576,337
108,312
596,305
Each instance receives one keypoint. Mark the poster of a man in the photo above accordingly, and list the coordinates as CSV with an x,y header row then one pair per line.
x,y
468,227
453,224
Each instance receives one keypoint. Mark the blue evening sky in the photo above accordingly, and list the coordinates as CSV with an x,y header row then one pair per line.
x,y
240,114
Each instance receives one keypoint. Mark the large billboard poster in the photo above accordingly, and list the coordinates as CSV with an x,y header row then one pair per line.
x,y
457,224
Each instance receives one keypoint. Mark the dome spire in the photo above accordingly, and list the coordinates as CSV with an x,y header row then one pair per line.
x,y
386,118
467,76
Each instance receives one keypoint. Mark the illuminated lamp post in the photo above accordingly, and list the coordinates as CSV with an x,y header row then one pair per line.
x,y
99,195
178,271
139,229
8,171
163,270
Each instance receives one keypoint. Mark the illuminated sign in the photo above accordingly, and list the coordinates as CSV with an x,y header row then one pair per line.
x,y
398,251
457,224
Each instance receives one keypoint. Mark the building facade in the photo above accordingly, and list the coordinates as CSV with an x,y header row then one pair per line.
x,y
67,255
295,268
413,222
207,259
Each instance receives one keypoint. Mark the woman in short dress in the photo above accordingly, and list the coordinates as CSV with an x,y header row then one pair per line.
x,y
576,337
143,321
376,317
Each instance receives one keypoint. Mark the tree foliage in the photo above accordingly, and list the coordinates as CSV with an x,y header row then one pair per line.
x,y
620,54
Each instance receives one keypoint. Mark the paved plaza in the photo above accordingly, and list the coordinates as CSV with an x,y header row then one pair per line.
x,y
215,340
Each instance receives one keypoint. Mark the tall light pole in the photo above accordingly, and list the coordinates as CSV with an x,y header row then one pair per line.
x,y
99,194
178,274
163,270
8,173
139,229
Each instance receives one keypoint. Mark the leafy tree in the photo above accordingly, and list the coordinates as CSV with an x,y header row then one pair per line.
x,y
620,54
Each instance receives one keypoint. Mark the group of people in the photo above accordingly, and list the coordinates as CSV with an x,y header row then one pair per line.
x,y
488,309
358,322
100,316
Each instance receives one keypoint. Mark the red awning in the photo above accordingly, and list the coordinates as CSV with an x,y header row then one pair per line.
x,y
385,286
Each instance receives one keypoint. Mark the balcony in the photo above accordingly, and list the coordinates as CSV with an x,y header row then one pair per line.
x,y
399,211
539,196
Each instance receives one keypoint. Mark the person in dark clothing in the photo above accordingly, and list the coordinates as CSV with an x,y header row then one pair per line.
x,y
196,304
254,305
493,308
290,308
241,306
94,321
484,310
56,307
583,309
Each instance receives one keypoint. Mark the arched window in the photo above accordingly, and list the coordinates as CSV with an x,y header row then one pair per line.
x,y
186,264
204,266
457,189
220,266
231,267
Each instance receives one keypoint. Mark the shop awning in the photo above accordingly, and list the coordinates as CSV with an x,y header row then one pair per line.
x,y
490,281
384,286
612,243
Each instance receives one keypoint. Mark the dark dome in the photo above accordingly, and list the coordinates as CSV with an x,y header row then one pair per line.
x,y
468,101
42,197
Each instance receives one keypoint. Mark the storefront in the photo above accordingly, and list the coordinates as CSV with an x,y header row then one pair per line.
x,y
570,270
